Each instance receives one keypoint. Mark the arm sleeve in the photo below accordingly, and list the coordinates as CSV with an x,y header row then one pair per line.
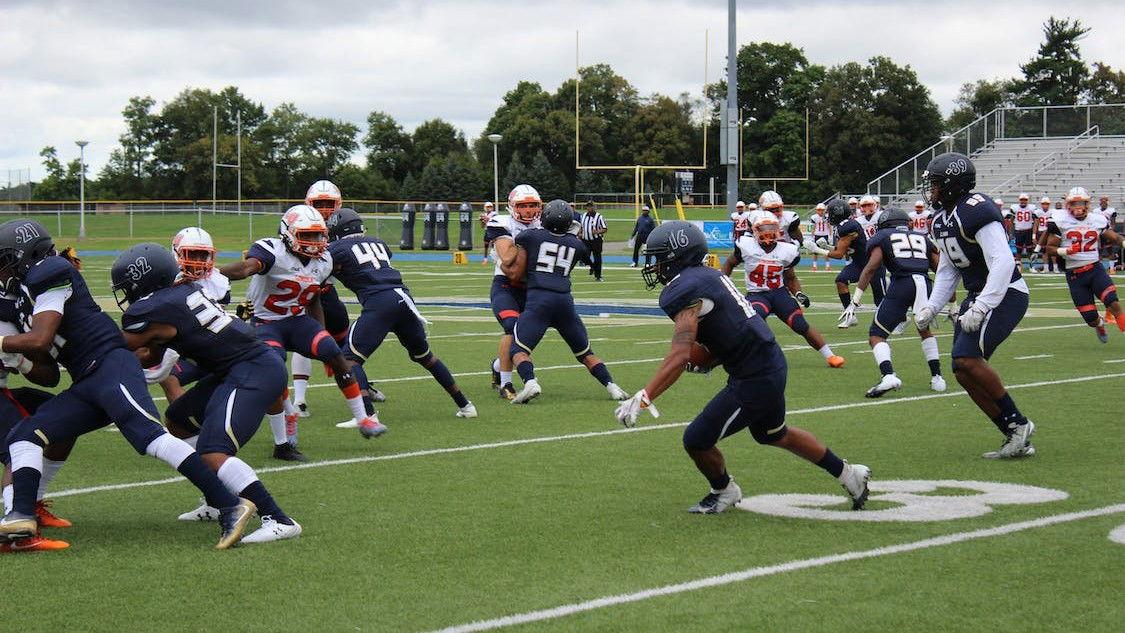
x,y
493,233
994,243
53,300
945,282
262,254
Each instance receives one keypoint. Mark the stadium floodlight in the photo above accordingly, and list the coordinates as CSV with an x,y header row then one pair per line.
x,y
81,188
495,140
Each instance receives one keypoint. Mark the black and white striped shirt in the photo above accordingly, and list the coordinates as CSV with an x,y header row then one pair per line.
x,y
593,225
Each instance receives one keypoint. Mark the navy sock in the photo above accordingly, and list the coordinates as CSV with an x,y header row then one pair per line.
x,y
25,484
208,482
261,497
720,482
460,399
1009,415
1000,424
602,374
886,368
845,299
935,367
365,388
441,373
526,370
834,465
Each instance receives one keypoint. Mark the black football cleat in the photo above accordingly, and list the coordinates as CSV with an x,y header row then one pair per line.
x,y
288,453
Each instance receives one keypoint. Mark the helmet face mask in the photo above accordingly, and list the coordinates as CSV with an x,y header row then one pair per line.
x,y
303,231
524,204
195,253
1078,203
325,197
766,232
868,205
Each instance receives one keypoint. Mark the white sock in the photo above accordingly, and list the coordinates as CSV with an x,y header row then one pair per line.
x,y
495,364
882,352
236,475
9,494
169,449
192,441
277,427
26,454
290,408
356,405
50,469
929,348
505,377
300,386
825,351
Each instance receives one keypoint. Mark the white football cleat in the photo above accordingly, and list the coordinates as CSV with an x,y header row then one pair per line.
x,y
718,500
847,322
530,391
302,409
467,411
890,382
854,479
272,530
348,424
203,513
1017,445
937,383
899,329
615,392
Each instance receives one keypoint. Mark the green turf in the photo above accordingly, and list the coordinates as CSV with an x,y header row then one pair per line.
x,y
413,539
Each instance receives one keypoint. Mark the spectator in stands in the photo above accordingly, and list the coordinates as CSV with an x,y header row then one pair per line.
x,y
486,215
641,229
592,234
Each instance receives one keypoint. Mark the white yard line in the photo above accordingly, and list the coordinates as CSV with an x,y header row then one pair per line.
x,y
1033,356
558,438
780,568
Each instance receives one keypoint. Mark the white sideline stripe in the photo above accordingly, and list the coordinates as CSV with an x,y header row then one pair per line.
x,y
556,438
1118,360
780,568
1033,356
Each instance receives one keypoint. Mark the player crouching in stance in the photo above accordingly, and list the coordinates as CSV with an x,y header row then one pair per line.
x,y
771,280
969,232
554,251
908,256
1076,234
108,383
713,320
363,264
244,377
288,273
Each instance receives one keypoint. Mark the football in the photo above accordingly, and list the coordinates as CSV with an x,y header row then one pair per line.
x,y
701,358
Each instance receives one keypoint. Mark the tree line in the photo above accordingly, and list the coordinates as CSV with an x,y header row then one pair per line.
x,y
863,118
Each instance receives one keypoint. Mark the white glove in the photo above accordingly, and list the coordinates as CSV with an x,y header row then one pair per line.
x,y
813,247
15,362
924,317
822,242
849,312
1037,249
973,318
158,373
628,410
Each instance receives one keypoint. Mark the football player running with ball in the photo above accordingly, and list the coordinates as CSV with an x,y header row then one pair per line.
x,y
969,232
1075,235
908,256
543,263
709,312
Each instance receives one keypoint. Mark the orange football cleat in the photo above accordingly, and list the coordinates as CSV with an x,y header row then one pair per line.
x,y
33,544
47,518
835,361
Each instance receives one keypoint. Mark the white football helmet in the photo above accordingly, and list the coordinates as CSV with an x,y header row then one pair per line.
x,y
999,202
853,202
821,207
753,206
1045,200
195,252
766,228
1078,199
740,205
303,231
868,204
488,206
325,197
770,200
921,205
524,204
1024,197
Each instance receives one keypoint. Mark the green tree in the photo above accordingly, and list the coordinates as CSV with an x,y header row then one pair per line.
x,y
1057,74
325,145
436,139
388,146
1105,85
61,182
978,98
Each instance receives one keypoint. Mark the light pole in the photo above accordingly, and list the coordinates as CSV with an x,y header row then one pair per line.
x,y
81,188
495,140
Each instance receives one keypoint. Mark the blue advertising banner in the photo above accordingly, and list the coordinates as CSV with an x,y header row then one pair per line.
x,y
719,234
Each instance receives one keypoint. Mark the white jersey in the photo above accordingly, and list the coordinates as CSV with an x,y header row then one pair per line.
x,y
764,270
870,227
215,286
819,225
1042,218
505,227
788,220
1023,218
285,285
1085,235
1109,212
920,220
741,221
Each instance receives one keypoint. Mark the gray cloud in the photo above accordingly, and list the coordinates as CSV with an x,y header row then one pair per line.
x,y
70,67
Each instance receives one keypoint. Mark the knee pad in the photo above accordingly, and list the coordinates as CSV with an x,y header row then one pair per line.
x,y
1090,315
508,324
762,437
424,360
798,323
25,432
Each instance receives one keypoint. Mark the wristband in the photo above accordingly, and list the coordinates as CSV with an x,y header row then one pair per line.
x,y
857,296
24,365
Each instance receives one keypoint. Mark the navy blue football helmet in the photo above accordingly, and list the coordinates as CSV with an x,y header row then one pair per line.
x,y
948,178
893,217
23,242
557,216
344,222
838,211
670,248
141,271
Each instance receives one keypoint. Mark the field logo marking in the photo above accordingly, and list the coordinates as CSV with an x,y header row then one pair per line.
x,y
915,505
1118,535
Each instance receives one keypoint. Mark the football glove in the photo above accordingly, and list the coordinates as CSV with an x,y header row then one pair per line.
x,y
628,410
15,362
973,318
924,317
71,255
802,299
814,247
244,310
848,313
158,373
822,242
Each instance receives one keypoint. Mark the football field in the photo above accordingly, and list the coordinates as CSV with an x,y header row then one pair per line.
x,y
551,517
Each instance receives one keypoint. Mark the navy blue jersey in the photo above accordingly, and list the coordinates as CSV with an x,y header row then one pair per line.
x,y
363,264
905,252
858,252
16,310
205,333
86,334
551,258
954,232
728,327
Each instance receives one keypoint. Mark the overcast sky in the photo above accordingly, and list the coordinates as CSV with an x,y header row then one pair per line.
x,y
67,67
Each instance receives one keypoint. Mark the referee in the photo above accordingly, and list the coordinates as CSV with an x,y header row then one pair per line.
x,y
593,233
